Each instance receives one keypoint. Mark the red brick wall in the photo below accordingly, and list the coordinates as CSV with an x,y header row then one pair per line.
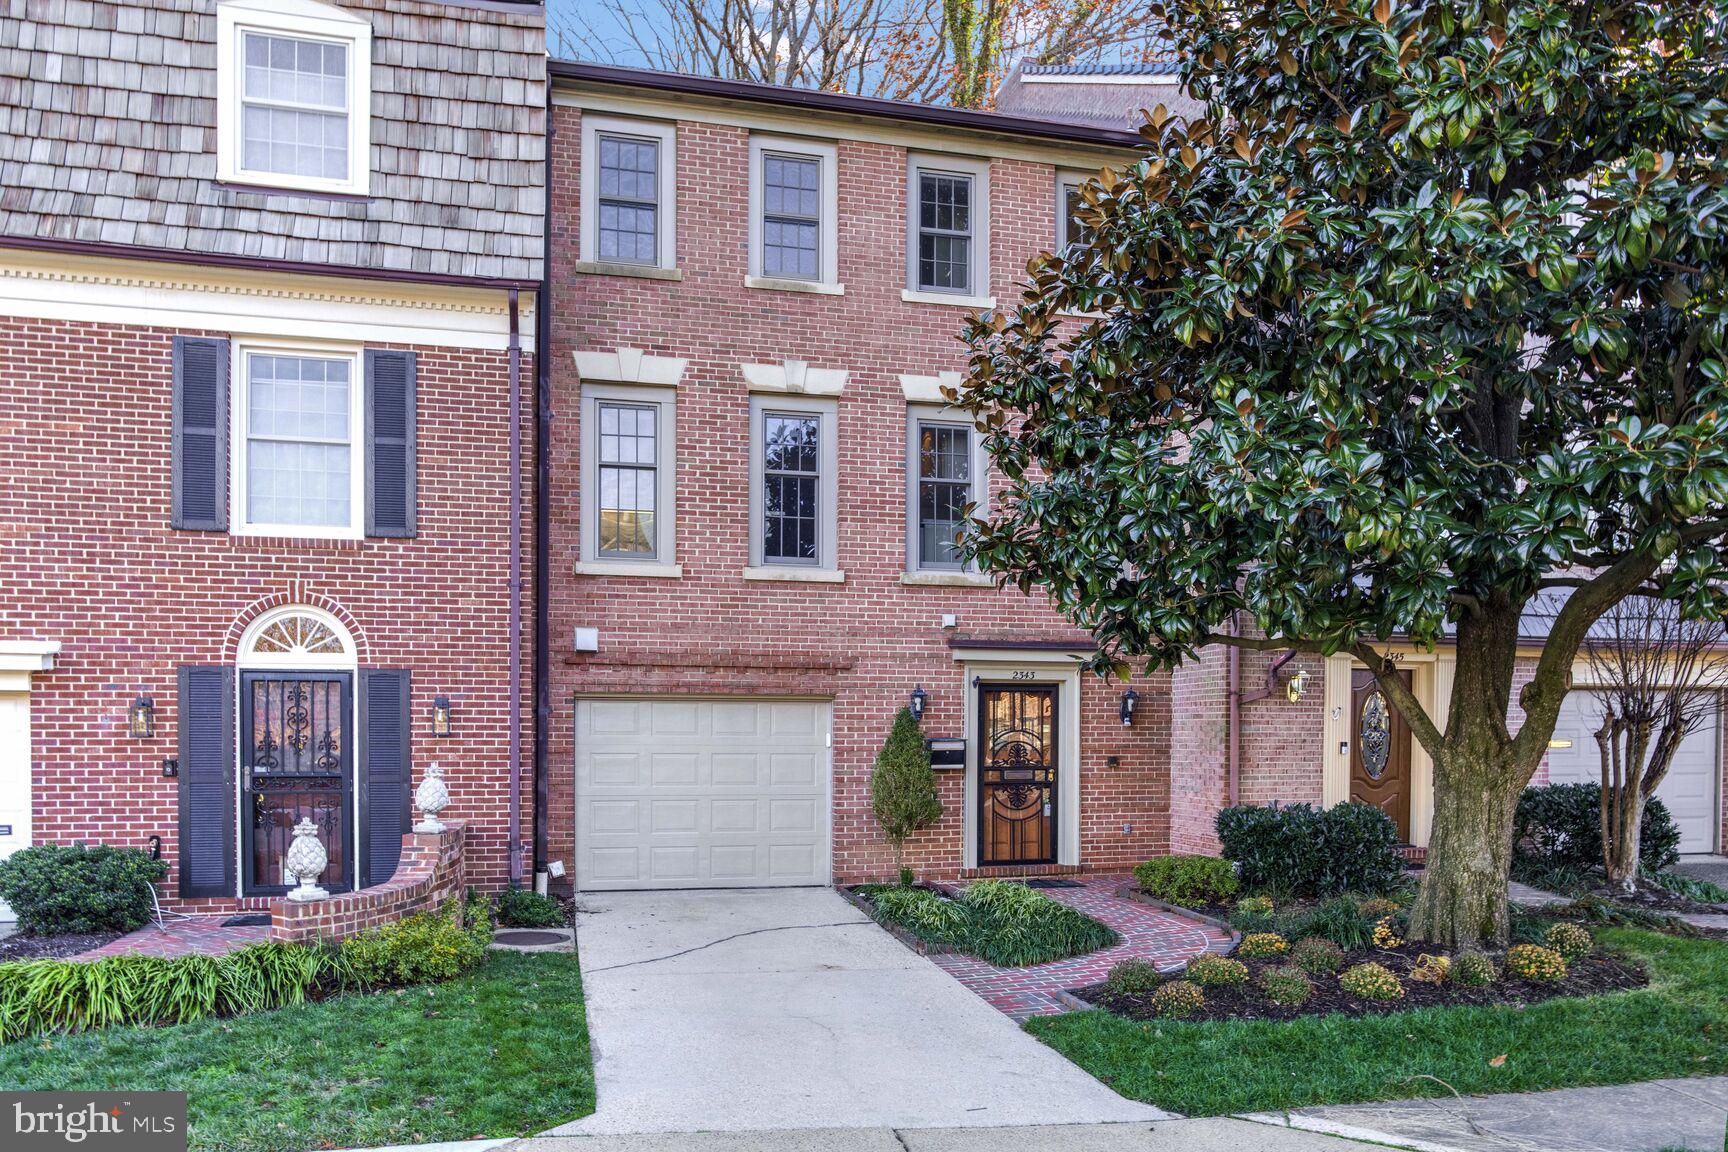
x,y
87,558
430,875
864,643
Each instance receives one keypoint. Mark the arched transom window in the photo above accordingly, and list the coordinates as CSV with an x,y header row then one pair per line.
x,y
297,637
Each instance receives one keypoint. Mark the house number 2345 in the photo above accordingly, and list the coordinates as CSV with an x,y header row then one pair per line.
x,y
1024,675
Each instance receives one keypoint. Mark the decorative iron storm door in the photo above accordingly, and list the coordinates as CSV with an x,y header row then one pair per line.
x,y
296,762
1017,779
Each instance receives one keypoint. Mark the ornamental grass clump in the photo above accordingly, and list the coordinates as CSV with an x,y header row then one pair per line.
x,y
1209,970
1317,956
1132,979
1262,946
1285,986
1371,981
1473,970
1176,1000
1534,962
1339,920
1570,940
1014,926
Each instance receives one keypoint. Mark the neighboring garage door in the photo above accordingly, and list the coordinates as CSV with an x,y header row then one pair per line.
x,y
1690,788
686,793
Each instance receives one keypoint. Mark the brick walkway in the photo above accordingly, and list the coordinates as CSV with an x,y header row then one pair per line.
x,y
204,934
1167,940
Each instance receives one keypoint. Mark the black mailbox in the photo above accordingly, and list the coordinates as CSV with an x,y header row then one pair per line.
x,y
946,751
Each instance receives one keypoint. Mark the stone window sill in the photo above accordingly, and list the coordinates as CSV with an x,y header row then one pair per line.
x,y
913,297
637,271
947,580
775,284
794,575
647,568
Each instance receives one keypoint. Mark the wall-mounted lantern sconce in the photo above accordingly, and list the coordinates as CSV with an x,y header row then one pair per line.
x,y
141,718
170,767
1130,701
441,716
1298,684
918,700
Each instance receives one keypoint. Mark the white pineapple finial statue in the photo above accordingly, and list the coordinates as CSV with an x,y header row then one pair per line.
x,y
305,861
432,797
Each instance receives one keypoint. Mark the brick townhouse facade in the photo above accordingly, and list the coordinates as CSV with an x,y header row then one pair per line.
x,y
268,283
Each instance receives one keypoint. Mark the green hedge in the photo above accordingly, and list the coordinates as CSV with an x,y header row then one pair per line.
x,y
39,996
1308,852
1559,826
999,921
56,889
520,908
1191,881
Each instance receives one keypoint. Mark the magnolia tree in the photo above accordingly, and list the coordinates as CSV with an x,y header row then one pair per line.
x,y
1426,314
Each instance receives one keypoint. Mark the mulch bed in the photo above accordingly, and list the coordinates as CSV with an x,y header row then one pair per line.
x,y
21,947
1589,976
1655,898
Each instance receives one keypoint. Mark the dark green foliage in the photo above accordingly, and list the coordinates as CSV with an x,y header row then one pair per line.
x,y
1132,978
55,890
1308,852
903,785
1688,887
521,908
998,921
502,1051
1560,826
1191,881
1339,920
421,948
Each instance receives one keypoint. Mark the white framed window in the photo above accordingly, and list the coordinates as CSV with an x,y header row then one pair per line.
x,y
298,459
629,479
1068,205
947,227
794,211
629,178
293,96
793,483
945,475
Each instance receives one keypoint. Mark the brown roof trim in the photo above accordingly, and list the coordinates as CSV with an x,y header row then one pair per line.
x,y
840,103
257,263
1010,644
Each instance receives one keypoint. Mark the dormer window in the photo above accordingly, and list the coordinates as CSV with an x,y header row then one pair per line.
x,y
293,96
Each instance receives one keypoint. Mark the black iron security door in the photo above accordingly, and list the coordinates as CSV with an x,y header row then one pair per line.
x,y
1017,780
296,762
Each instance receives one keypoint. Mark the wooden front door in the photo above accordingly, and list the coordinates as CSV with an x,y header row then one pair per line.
x,y
296,762
1380,751
1017,774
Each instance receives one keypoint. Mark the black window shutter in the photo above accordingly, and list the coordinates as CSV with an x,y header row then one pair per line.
x,y
390,492
386,758
206,781
200,444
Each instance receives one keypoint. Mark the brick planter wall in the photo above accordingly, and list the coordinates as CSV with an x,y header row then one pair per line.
x,y
432,871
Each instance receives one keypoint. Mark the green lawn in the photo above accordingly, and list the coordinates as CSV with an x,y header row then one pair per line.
x,y
501,1051
1676,1027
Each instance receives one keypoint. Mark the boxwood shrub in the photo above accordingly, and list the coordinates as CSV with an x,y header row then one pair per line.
x,y
1310,852
58,889
1190,881
1558,827
521,908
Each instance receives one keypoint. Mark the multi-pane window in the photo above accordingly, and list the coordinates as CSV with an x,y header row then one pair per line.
x,y
1069,229
629,478
294,107
299,440
628,200
791,487
943,488
944,244
791,216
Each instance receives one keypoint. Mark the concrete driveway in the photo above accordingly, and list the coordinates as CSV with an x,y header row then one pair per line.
x,y
788,1008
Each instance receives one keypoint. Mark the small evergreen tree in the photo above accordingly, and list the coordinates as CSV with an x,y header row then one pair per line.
x,y
903,788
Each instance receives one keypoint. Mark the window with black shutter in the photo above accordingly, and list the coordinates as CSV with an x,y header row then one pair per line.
x,y
200,437
390,443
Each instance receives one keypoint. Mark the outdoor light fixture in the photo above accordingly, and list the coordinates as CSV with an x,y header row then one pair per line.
x,y
1130,700
141,718
919,699
170,767
441,716
1298,684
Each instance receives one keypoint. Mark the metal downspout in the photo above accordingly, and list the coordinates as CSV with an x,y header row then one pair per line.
x,y
1233,715
543,530
515,591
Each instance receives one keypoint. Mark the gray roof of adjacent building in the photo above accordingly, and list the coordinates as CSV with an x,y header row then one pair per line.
x,y
1096,95
108,138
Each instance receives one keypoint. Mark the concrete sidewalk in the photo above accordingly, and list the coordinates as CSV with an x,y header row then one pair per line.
x,y
1215,1135
1648,1117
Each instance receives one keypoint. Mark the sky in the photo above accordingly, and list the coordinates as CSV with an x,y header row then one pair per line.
x,y
572,14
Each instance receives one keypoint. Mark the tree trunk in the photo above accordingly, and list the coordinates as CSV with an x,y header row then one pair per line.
x,y
1463,896
1622,854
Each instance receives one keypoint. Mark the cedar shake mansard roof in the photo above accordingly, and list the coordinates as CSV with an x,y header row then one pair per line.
x,y
108,136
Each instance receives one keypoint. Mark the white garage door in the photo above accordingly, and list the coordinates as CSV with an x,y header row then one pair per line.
x,y
1690,788
684,793
14,778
